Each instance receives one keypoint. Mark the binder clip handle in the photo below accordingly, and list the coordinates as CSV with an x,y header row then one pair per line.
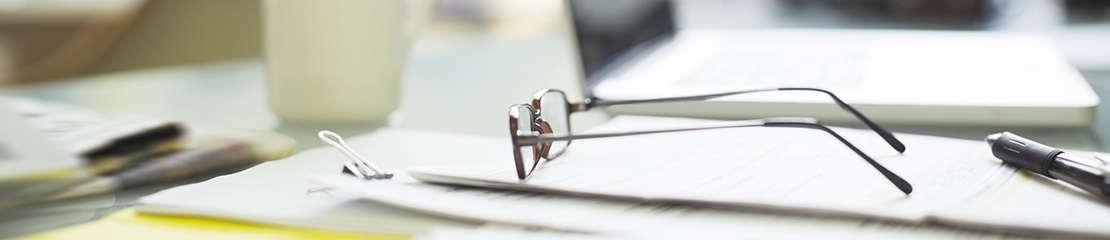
x,y
358,166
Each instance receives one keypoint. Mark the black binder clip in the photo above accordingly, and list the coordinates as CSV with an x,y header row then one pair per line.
x,y
358,166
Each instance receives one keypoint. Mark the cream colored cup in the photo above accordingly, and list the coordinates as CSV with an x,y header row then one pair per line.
x,y
338,61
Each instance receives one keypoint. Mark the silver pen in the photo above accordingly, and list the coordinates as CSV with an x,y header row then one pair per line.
x,y
1088,174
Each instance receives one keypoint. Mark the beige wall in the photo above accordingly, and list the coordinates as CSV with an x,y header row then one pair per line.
x,y
173,32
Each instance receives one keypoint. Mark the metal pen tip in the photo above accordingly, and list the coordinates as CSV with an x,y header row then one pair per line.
x,y
992,138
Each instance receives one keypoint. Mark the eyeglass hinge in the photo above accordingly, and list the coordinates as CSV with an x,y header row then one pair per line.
x,y
581,107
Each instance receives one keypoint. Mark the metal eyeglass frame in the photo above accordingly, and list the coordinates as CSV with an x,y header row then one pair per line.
x,y
540,135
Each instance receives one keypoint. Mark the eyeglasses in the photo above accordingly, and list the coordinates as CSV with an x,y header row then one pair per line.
x,y
541,130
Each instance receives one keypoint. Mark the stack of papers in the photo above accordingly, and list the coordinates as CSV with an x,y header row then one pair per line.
x,y
637,220
30,164
801,171
784,183
126,224
95,135
278,193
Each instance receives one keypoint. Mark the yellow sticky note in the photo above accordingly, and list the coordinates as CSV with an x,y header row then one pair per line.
x,y
127,224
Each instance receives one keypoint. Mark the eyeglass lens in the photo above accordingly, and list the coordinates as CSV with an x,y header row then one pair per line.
x,y
553,110
525,155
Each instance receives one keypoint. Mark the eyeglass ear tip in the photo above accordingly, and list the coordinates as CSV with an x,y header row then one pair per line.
x,y
905,187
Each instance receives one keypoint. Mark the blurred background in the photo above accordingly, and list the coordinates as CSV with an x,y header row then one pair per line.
x,y
52,39
201,62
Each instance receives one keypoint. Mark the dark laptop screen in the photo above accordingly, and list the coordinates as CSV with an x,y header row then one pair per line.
x,y
606,29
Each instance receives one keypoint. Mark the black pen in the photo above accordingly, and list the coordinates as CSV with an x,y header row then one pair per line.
x,y
1085,173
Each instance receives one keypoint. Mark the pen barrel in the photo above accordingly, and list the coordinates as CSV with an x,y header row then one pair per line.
x,y
1084,173
1024,153
1091,183
188,163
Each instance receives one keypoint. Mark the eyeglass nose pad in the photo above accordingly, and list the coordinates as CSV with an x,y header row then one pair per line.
x,y
543,127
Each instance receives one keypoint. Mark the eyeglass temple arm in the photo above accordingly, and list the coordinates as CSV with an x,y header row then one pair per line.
x,y
886,135
810,123
902,184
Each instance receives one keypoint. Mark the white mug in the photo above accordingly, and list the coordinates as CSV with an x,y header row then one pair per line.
x,y
338,61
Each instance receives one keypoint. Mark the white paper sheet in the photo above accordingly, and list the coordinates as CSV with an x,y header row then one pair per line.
x,y
766,167
625,219
276,193
506,233
955,181
25,152
1031,201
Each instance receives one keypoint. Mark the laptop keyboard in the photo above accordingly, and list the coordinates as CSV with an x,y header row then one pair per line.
x,y
747,63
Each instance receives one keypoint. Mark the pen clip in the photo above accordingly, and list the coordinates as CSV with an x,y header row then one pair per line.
x,y
358,166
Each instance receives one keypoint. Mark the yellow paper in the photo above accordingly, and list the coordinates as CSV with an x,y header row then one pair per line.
x,y
127,224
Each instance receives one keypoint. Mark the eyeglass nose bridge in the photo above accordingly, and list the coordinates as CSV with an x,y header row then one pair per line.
x,y
544,128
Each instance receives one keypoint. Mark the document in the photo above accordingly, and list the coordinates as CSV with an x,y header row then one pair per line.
x,y
506,233
1030,201
277,193
633,220
87,133
955,181
31,166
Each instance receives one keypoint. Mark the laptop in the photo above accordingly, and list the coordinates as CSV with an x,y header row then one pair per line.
x,y
632,49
